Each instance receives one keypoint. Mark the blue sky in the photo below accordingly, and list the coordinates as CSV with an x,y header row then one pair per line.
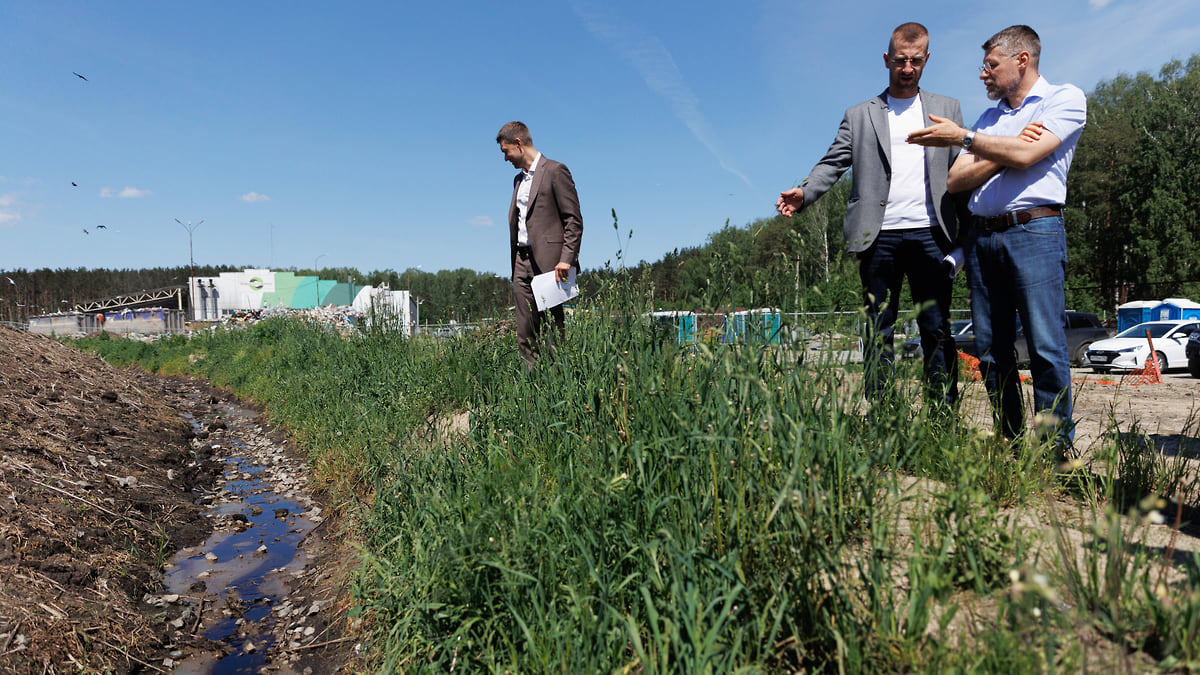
x,y
362,134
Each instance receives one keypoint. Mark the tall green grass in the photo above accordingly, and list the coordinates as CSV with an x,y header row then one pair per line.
x,y
633,505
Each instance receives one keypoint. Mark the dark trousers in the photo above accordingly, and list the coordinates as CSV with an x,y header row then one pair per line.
x,y
893,256
531,324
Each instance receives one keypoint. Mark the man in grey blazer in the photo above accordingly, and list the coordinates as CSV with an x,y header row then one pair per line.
x,y
900,220
545,230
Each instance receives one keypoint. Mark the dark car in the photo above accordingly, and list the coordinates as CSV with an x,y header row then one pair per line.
x,y
1083,328
912,348
1192,350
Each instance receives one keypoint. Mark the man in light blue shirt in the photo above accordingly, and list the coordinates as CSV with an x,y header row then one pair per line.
x,y
1017,159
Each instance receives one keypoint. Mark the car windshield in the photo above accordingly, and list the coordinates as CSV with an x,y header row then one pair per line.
x,y
1157,330
958,326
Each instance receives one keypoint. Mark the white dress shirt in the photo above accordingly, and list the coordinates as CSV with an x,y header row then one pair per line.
x,y
523,200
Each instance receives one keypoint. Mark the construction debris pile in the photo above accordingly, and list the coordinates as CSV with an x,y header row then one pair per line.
x,y
344,319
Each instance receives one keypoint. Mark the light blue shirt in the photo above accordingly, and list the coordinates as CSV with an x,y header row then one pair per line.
x,y
1062,110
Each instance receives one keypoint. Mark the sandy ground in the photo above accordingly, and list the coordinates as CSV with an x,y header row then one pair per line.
x,y
1169,412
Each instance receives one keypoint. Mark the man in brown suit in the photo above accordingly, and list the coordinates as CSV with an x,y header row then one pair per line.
x,y
545,229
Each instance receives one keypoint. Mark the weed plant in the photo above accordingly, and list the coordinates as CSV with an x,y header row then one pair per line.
x,y
636,505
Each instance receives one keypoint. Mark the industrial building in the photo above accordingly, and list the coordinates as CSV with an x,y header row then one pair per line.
x,y
213,298
142,321
216,298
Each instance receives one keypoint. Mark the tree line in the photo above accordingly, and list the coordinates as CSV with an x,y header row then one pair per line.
x,y
1133,190
1133,206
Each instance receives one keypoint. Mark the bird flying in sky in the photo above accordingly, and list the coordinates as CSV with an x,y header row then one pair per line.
x,y
79,76
101,227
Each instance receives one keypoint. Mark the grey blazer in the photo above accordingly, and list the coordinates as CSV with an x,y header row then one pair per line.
x,y
554,222
863,142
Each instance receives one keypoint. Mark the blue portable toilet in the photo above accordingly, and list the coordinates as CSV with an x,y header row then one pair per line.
x,y
758,326
1191,310
681,323
734,329
1175,308
1131,314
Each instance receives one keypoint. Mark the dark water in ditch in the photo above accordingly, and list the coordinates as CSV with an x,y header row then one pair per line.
x,y
245,579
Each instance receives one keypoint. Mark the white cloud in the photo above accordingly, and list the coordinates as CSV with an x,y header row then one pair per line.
x,y
133,193
651,59
126,193
8,214
1099,4
482,221
255,197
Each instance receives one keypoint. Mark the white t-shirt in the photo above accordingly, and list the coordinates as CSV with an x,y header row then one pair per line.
x,y
908,204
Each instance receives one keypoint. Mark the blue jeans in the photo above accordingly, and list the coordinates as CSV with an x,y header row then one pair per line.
x,y
882,267
1022,270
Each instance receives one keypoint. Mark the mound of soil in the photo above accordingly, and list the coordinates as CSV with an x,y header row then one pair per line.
x,y
97,476
102,477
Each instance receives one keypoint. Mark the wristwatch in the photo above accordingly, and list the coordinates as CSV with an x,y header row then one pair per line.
x,y
968,140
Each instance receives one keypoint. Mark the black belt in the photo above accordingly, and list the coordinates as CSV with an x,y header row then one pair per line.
x,y
523,252
1007,220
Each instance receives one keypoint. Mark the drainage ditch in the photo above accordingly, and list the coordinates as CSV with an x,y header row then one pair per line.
x,y
237,587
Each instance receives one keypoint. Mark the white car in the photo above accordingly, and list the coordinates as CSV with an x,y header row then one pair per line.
x,y
1129,348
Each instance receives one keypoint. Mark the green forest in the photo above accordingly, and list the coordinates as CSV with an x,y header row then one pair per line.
x,y
1132,209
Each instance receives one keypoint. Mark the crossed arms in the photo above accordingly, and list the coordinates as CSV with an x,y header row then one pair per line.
x,y
988,154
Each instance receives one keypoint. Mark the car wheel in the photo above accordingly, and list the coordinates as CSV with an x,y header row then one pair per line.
x,y
1194,367
1162,361
1081,354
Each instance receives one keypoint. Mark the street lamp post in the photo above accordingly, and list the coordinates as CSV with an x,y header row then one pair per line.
x,y
317,273
191,264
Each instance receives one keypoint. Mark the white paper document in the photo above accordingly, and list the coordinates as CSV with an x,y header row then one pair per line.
x,y
549,292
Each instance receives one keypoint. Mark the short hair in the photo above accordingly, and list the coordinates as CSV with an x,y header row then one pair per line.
x,y
909,32
1016,39
514,131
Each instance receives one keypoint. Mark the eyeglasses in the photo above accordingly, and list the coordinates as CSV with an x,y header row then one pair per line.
x,y
986,69
901,61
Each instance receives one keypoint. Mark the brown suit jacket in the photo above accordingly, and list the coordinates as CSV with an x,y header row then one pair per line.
x,y
554,223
